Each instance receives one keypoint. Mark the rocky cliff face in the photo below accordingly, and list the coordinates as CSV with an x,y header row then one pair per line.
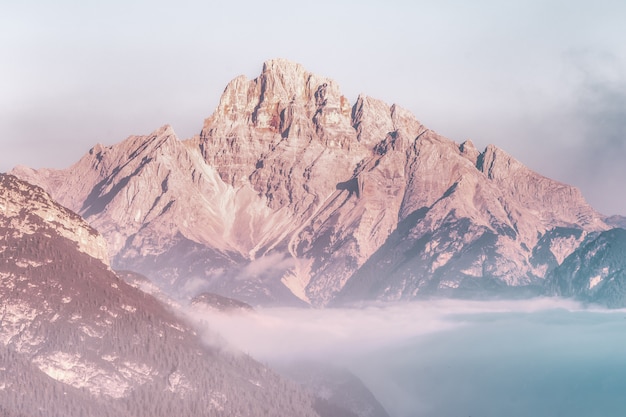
x,y
291,195
76,340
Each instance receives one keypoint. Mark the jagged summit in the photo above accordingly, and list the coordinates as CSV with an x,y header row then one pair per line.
x,y
282,65
287,101
289,193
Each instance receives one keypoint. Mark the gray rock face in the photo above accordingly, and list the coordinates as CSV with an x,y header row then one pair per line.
x,y
289,193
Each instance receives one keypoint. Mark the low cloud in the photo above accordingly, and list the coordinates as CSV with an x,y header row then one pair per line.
x,y
266,266
451,357
271,334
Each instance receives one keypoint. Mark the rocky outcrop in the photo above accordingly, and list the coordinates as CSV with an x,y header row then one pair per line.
x,y
291,194
26,210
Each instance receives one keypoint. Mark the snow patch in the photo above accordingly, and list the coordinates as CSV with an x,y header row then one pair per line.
x,y
593,281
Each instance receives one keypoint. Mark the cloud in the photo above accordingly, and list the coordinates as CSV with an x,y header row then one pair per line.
x,y
451,357
544,363
281,333
572,128
266,266
597,159
197,284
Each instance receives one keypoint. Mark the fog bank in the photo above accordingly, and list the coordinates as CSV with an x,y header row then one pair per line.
x,y
542,357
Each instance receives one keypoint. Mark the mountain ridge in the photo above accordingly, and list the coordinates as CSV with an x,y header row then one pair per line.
x,y
77,340
288,191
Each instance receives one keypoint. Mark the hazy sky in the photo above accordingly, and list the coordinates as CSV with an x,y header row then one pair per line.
x,y
543,79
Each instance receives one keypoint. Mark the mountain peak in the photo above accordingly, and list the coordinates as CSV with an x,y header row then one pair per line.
x,y
282,65
282,88
285,103
295,189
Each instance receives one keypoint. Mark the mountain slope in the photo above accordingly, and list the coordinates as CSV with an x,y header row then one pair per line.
x,y
76,340
595,272
335,387
289,192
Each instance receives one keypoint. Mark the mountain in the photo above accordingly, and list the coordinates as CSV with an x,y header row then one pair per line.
x,y
616,221
291,195
335,388
77,340
595,272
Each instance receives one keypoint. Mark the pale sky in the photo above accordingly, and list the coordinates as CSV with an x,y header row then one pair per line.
x,y
545,80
